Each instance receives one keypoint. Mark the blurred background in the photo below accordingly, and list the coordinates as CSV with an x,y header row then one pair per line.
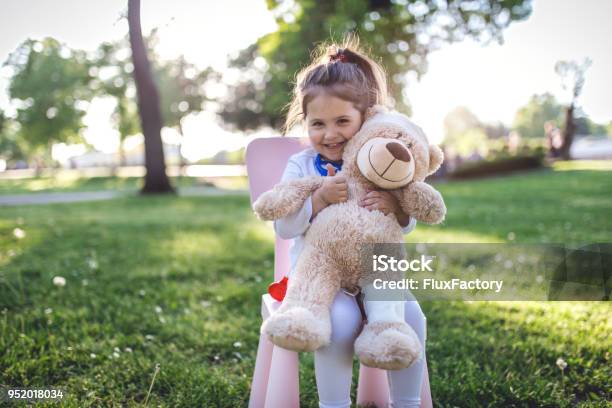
x,y
127,299
489,81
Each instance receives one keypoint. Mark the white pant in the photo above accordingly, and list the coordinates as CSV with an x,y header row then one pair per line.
x,y
334,363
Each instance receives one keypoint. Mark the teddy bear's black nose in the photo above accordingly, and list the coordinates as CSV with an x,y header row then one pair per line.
x,y
398,151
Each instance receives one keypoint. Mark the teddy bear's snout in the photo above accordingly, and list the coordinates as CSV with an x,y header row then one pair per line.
x,y
398,151
387,163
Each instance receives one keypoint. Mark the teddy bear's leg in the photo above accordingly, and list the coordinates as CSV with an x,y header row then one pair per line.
x,y
387,341
302,322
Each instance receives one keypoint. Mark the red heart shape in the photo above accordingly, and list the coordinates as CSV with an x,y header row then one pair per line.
x,y
278,289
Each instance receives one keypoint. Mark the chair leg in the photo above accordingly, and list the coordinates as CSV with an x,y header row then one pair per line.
x,y
283,389
373,387
262,372
426,401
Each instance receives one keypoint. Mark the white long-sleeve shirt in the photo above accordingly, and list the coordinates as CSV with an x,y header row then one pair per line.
x,y
294,226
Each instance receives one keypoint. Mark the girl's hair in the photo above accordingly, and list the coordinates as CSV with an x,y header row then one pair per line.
x,y
344,71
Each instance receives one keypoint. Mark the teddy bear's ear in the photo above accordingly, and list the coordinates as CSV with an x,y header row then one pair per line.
x,y
374,110
435,158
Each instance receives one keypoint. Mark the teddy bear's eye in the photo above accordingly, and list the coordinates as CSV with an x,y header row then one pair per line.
x,y
409,145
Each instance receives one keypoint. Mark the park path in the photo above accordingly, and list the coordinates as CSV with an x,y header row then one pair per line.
x,y
77,196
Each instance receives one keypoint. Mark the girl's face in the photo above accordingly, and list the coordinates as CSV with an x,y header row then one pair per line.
x,y
331,122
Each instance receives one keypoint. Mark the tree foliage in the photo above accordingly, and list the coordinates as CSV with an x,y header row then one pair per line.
x,y
465,134
180,84
181,87
114,72
586,126
51,88
572,76
459,121
11,148
530,119
400,33
52,85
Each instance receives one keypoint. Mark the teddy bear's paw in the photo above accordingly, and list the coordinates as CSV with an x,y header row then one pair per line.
x,y
388,345
436,214
297,329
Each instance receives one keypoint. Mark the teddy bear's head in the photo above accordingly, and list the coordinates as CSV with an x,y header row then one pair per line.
x,y
390,151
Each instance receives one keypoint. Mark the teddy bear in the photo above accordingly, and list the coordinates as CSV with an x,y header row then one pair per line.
x,y
388,152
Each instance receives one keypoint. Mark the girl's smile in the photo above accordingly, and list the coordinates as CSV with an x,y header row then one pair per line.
x,y
335,146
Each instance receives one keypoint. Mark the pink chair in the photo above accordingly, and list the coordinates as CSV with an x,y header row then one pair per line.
x,y
275,380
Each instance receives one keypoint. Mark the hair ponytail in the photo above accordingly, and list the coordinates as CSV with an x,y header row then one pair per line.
x,y
344,71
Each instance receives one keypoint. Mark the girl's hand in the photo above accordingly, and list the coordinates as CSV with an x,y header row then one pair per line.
x,y
382,201
334,188
385,202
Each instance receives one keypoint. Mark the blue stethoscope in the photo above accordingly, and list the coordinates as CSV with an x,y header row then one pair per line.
x,y
320,164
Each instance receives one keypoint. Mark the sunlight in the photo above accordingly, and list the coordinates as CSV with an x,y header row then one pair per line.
x,y
447,236
99,130
597,165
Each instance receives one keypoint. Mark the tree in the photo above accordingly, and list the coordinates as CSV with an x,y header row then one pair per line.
x,y
114,68
464,133
572,75
182,92
459,121
156,180
529,120
11,148
51,88
586,126
401,34
496,130
180,85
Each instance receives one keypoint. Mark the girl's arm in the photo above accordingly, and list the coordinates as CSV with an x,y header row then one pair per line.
x,y
318,203
407,222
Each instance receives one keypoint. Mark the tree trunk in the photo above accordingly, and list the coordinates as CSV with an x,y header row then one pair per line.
x,y
38,166
182,161
122,160
568,132
156,180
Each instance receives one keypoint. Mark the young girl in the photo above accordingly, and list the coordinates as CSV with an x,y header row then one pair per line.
x,y
331,97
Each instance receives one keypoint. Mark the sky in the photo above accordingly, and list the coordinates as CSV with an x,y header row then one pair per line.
x,y
491,80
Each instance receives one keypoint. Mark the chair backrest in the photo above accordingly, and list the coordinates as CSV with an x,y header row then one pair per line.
x,y
266,159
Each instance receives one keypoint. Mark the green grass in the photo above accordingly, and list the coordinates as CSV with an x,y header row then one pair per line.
x,y
178,281
72,184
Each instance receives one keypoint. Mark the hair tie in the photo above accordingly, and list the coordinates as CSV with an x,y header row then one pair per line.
x,y
338,56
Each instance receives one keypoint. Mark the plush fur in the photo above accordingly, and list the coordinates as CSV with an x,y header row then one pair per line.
x,y
388,345
331,256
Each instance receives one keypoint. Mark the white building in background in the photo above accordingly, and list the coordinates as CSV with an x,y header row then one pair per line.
x,y
91,159
134,156
591,148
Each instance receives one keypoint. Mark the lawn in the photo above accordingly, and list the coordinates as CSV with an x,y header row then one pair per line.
x,y
127,184
176,281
